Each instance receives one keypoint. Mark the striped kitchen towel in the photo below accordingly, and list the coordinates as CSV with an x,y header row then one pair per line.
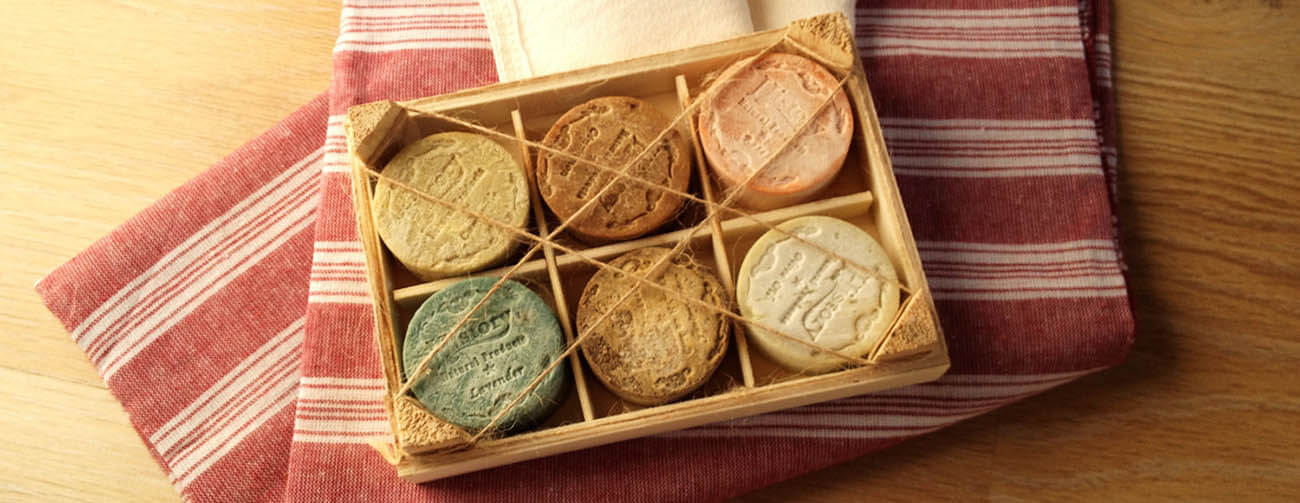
x,y
239,341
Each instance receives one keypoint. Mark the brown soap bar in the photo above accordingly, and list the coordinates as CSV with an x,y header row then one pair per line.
x,y
757,111
611,131
655,347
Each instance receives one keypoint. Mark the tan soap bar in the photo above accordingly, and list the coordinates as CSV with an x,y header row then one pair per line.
x,y
435,241
612,131
757,111
804,292
654,348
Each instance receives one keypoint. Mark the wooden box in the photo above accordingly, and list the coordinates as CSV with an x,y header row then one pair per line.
x,y
425,448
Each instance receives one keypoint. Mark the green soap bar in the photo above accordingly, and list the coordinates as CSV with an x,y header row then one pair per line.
x,y
506,344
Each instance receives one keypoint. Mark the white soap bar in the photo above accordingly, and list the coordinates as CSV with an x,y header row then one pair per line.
x,y
803,292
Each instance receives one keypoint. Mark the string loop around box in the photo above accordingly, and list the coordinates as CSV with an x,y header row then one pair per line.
x,y
649,277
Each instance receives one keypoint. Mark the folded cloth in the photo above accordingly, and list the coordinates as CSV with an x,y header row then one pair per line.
x,y
999,121
540,38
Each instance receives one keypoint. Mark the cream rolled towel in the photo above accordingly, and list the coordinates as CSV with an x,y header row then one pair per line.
x,y
540,37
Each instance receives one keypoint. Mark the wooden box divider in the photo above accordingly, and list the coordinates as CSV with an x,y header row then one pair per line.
x,y
724,269
557,287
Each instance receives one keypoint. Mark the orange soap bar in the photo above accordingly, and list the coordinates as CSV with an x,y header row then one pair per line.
x,y
757,111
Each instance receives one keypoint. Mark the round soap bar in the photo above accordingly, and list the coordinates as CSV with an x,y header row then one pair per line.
x,y
612,131
788,285
757,111
654,347
507,343
435,241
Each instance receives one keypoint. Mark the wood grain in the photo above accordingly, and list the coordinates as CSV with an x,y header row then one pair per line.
x,y
108,105
105,107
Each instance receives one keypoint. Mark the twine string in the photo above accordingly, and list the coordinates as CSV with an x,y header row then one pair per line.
x,y
623,175
634,276
640,279
414,375
655,269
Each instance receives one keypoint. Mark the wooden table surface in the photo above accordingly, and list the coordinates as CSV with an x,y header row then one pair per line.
x,y
109,105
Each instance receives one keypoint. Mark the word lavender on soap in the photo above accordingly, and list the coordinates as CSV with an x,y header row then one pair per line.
x,y
507,343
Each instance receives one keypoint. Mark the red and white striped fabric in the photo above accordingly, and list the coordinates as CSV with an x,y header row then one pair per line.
x,y
239,342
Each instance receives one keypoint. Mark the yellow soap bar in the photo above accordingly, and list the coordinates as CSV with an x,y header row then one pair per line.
x,y
469,171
